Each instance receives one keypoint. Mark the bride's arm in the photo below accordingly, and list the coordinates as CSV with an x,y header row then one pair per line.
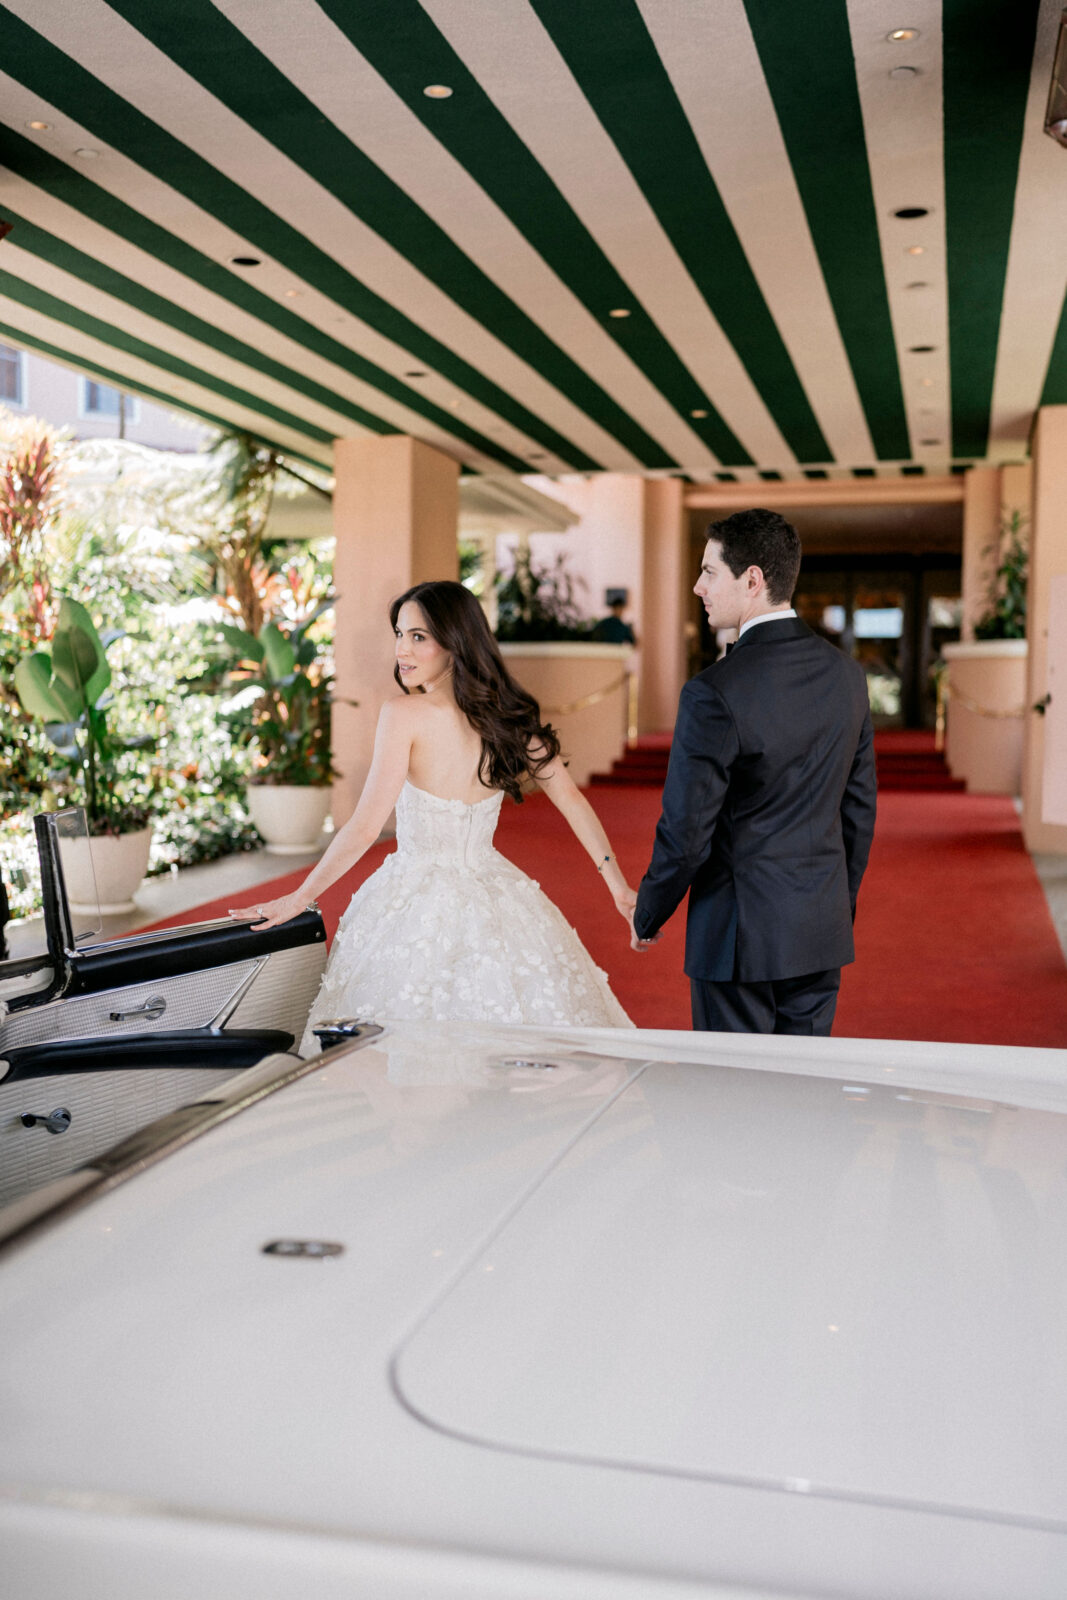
x,y
587,828
389,767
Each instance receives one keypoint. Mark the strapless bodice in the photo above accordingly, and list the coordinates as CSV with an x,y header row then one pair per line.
x,y
447,832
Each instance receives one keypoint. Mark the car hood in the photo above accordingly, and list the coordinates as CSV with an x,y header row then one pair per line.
x,y
767,1297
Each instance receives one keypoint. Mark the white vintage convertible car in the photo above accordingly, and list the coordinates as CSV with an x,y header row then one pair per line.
x,y
528,1315
100,1036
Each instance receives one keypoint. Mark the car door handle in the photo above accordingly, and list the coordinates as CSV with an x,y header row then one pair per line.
x,y
57,1122
151,1009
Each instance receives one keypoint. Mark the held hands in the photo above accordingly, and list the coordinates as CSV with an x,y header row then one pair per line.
x,y
641,944
271,913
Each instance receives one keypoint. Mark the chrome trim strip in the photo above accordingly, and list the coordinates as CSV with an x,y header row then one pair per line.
x,y
31,1215
218,1023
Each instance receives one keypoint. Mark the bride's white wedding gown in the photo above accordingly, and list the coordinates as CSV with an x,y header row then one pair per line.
x,y
449,930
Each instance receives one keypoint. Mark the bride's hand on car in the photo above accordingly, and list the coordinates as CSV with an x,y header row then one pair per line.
x,y
271,913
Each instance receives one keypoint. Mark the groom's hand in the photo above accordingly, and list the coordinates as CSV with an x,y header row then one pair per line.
x,y
641,944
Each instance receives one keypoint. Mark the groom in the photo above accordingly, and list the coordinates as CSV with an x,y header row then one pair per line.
x,y
768,807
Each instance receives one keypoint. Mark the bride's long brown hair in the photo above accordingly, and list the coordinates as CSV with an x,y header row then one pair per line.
x,y
497,708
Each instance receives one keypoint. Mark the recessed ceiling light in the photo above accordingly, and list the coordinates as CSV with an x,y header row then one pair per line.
x,y
928,383
437,91
245,261
902,35
917,286
86,154
916,249
620,311
39,127
904,72
929,442
293,294
453,405
699,412
921,349
912,211
536,455
416,373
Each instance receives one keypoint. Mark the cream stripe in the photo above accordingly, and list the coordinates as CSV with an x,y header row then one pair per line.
x,y
84,352
123,59
170,210
509,51
72,291
348,90
1036,280
112,249
735,123
902,121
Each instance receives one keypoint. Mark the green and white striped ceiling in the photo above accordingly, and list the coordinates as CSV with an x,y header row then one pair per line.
x,y
726,172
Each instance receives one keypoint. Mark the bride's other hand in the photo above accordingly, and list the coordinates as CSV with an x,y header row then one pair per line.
x,y
271,913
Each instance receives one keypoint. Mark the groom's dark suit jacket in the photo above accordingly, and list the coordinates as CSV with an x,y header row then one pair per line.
x,y
768,810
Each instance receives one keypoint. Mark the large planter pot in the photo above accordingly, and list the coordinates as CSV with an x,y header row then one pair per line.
x,y
105,873
583,690
288,816
985,713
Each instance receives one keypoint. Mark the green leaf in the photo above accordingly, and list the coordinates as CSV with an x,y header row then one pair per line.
x,y
41,695
77,653
63,736
245,643
280,655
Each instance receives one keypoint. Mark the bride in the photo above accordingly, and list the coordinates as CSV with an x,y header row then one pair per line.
x,y
447,929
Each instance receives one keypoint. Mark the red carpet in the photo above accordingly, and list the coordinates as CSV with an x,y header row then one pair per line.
x,y
954,936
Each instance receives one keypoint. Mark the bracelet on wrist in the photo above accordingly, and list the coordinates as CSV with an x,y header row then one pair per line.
x,y
602,864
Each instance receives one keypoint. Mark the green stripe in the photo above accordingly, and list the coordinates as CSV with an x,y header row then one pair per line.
x,y
44,69
402,43
72,189
36,241
913,472
119,380
988,49
49,305
806,52
607,46
1054,392
204,43
863,472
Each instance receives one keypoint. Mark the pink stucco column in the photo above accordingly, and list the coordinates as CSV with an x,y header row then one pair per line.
x,y
1045,746
395,512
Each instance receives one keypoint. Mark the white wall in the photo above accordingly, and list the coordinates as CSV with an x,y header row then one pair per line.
x,y
55,394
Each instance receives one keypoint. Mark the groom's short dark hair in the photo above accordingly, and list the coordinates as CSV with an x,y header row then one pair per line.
x,y
760,539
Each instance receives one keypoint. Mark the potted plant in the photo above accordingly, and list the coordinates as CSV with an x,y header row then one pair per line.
x,y
69,689
281,711
985,684
538,602
1005,615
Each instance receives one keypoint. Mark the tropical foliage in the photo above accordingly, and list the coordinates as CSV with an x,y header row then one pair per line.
x,y
280,680
538,601
1005,614
150,549
68,688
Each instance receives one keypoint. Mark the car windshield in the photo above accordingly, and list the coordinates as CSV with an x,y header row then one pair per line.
x,y
68,833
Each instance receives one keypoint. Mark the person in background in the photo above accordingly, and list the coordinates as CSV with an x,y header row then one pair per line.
x,y
612,629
